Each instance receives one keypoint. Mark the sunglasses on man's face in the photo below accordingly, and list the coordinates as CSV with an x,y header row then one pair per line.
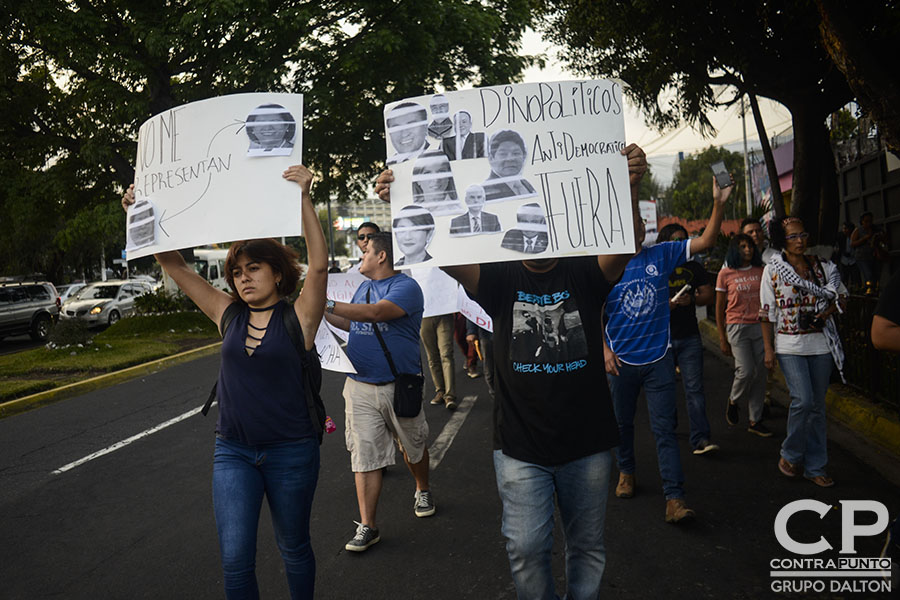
x,y
365,236
797,236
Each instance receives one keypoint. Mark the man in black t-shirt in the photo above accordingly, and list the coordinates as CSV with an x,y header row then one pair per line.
x,y
555,426
687,346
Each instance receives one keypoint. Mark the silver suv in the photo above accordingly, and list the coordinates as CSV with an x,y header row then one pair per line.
x,y
28,307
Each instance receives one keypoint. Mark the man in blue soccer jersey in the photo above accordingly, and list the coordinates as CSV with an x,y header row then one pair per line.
x,y
638,353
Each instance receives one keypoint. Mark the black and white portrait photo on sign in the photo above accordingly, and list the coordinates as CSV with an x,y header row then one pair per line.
x,y
271,129
530,233
506,155
464,143
433,185
511,172
407,128
475,221
547,334
413,230
140,231
210,172
441,126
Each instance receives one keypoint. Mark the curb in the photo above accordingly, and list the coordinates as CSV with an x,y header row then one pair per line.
x,y
866,419
20,405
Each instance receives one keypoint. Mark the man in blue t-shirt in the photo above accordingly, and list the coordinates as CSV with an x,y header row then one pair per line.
x,y
392,302
638,353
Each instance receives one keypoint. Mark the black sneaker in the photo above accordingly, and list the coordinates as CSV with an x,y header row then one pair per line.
x,y
731,413
759,429
705,447
424,505
365,537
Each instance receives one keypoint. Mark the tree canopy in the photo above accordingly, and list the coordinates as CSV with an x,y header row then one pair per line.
x,y
690,195
77,78
672,54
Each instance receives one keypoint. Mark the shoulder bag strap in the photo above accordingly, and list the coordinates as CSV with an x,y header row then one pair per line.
x,y
387,353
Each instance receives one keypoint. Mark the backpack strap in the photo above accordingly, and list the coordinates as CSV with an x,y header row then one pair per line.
x,y
312,369
231,311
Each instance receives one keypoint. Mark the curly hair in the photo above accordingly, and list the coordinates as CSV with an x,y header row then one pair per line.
x,y
281,258
776,231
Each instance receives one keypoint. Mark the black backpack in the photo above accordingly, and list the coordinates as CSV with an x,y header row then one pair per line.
x,y
309,360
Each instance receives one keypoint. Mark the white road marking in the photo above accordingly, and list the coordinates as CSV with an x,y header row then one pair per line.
x,y
442,442
436,452
123,443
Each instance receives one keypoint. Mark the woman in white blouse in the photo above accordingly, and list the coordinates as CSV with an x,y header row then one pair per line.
x,y
799,295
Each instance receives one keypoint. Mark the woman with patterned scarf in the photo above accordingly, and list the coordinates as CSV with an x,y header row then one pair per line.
x,y
798,296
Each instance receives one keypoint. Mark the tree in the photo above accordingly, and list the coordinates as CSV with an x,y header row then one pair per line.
x,y
672,54
650,187
77,78
858,37
691,191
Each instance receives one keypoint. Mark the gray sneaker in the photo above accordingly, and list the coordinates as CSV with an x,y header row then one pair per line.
x,y
424,505
365,537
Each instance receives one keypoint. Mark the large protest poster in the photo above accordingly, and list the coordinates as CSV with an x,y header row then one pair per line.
x,y
210,172
509,173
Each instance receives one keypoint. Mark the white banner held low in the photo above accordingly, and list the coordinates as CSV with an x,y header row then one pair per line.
x,y
331,355
473,311
210,172
508,173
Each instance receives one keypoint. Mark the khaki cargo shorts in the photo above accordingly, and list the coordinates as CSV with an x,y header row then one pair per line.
x,y
372,427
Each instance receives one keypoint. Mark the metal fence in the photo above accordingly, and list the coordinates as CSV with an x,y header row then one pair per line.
x,y
874,373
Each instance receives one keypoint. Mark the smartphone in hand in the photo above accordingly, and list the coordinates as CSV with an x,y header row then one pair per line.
x,y
722,176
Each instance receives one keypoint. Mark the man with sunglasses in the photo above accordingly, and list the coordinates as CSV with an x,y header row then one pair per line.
x,y
364,233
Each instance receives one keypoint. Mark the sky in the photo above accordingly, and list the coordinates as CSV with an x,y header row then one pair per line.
x,y
662,148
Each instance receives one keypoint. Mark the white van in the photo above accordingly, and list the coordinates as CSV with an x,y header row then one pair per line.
x,y
209,263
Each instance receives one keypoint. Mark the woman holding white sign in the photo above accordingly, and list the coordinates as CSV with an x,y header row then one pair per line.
x,y
268,430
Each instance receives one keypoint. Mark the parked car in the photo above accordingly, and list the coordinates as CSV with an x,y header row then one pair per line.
x,y
67,290
28,307
104,302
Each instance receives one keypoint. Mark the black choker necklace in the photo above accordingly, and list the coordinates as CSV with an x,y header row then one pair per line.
x,y
262,309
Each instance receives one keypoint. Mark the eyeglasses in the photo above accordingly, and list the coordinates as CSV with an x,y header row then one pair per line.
x,y
365,236
796,236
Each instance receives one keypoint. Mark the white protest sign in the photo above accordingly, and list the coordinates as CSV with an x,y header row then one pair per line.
x,y
648,214
509,172
331,355
342,286
210,172
473,311
439,290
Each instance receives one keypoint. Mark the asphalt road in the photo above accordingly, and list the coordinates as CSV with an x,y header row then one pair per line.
x,y
137,522
18,343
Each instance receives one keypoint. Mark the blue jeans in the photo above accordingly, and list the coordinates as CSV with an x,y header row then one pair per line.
x,y
527,490
807,380
688,354
286,473
658,380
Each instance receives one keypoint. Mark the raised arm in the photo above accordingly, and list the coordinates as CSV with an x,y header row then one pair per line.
x,y
466,275
613,265
208,299
310,305
708,239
